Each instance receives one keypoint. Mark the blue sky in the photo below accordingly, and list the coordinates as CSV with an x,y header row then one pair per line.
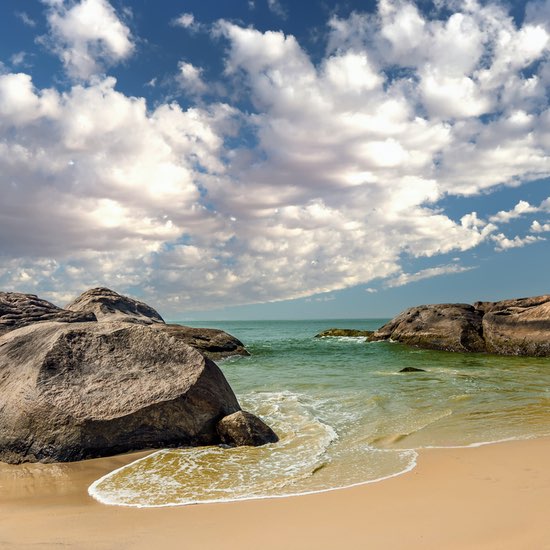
x,y
275,159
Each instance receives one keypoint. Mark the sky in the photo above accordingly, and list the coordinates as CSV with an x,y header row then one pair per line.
x,y
275,159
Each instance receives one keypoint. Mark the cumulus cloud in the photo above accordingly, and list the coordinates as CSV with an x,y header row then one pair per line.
x,y
350,161
537,227
504,243
88,36
190,79
521,208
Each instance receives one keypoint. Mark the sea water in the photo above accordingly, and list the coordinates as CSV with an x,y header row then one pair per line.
x,y
344,414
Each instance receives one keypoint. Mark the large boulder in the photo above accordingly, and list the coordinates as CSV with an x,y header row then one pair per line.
x,y
450,327
508,327
19,310
107,304
518,327
73,389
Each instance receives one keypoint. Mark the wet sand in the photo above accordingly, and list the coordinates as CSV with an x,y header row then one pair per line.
x,y
490,497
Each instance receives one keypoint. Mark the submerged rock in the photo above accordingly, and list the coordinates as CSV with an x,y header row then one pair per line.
x,y
243,428
412,369
346,332
508,327
71,390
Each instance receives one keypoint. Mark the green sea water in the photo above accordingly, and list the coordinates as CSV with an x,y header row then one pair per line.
x,y
344,415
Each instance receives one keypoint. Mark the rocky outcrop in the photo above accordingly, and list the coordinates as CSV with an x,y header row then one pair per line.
x,y
212,343
345,332
508,327
518,327
19,310
108,304
71,390
243,428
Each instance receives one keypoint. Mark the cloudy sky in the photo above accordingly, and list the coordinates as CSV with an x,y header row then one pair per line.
x,y
269,158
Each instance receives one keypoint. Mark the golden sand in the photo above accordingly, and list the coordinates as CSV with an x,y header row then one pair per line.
x,y
491,497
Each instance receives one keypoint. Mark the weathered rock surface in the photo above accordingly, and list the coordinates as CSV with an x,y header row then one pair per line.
x,y
19,310
243,428
71,390
450,327
508,327
345,332
212,343
518,327
108,304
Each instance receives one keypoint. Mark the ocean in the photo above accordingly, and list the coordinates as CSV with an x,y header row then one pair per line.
x,y
344,413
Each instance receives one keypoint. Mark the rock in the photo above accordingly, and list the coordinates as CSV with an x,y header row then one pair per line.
x,y
109,376
243,428
518,327
412,369
108,304
450,327
82,390
212,343
19,310
346,332
508,327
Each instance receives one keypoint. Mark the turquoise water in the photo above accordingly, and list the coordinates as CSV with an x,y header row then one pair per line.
x,y
344,414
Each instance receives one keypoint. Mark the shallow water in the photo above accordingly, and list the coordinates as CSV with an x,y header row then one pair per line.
x,y
344,415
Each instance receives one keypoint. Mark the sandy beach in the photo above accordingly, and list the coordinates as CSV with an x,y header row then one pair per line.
x,y
491,497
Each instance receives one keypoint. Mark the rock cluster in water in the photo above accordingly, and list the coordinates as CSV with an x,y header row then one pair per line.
x,y
508,327
344,332
106,375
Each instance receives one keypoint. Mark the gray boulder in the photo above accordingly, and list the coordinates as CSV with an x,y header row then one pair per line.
x,y
518,327
509,327
19,310
75,391
75,387
107,304
450,327
243,428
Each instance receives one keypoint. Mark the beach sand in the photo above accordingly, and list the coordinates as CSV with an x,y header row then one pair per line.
x,y
490,497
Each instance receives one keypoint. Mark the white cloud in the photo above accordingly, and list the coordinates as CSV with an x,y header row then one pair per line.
x,y
406,278
190,79
504,243
26,19
277,8
352,157
185,20
88,36
537,227
522,208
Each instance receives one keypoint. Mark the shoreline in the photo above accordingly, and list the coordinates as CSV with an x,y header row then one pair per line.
x,y
488,497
